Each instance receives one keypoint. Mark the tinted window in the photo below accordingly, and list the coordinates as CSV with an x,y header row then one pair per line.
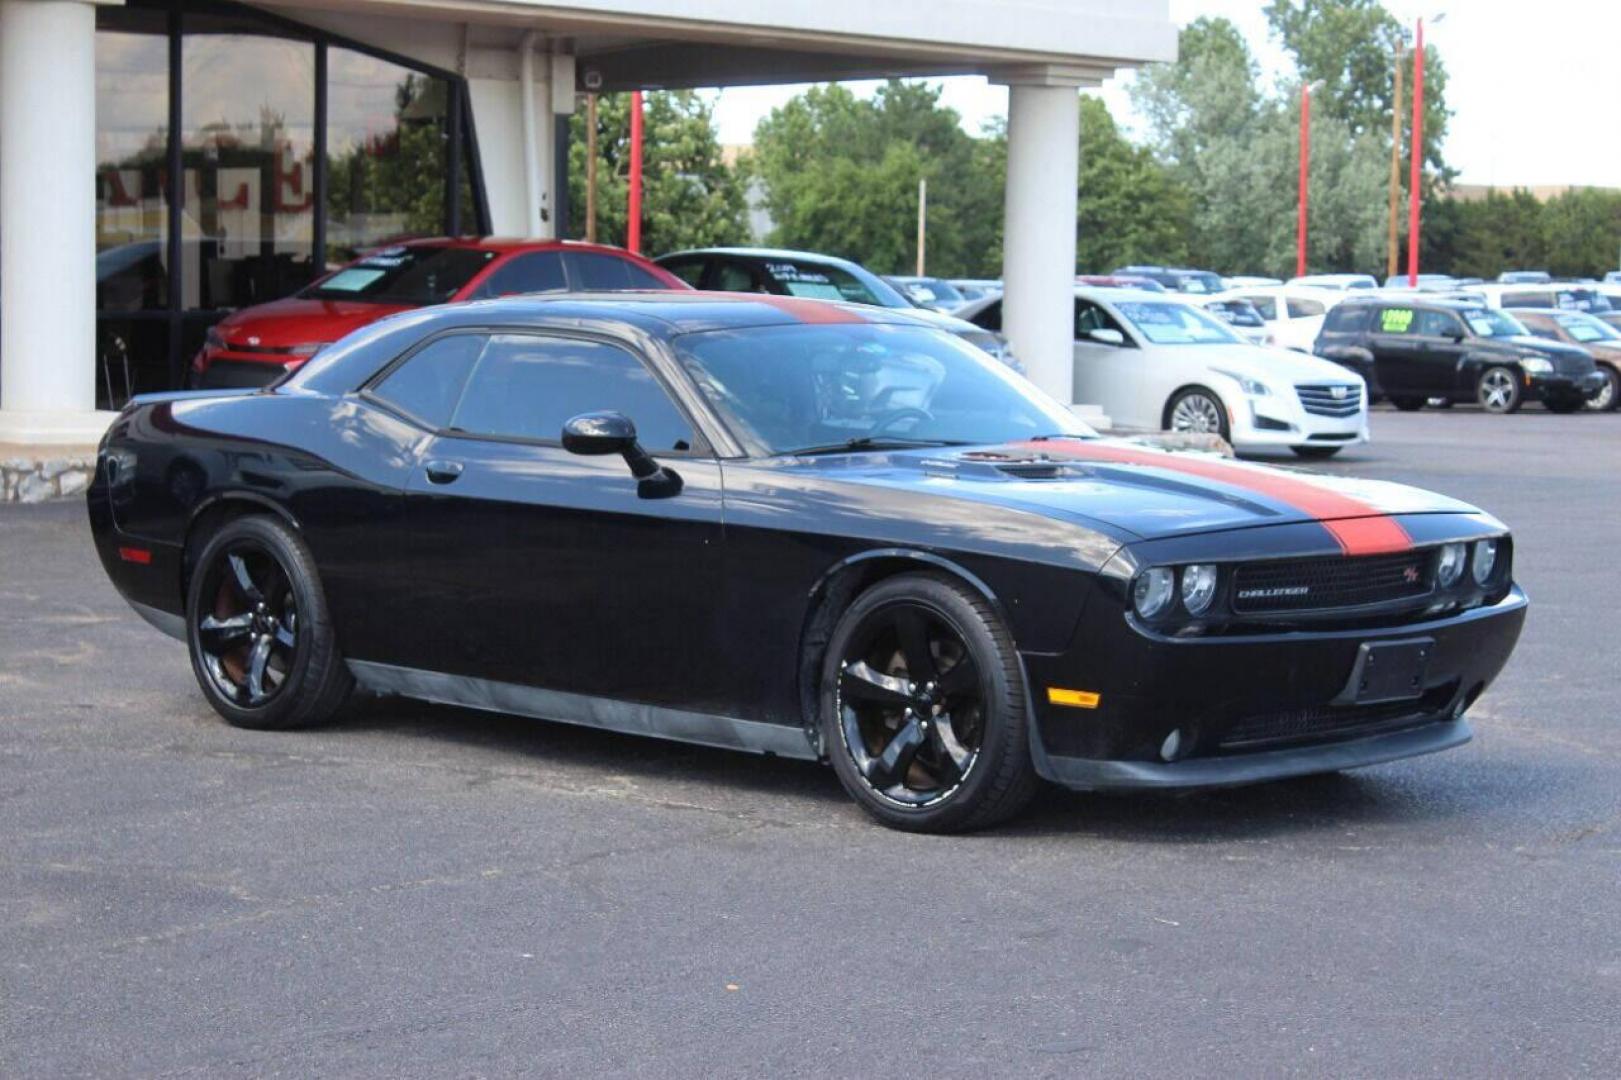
x,y
404,275
689,270
827,283
527,386
1304,309
1345,319
536,272
592,271
1436,324
737,277
1395,320
427,385
990,318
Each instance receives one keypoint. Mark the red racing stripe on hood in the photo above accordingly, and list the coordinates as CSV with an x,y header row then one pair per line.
x,y
1359,529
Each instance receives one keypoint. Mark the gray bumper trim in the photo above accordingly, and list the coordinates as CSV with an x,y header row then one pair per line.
x,y
1082,774
167,621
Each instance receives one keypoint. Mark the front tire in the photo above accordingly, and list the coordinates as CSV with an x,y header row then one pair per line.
x,y
261,640
1498,391
1608,398
1197,411
923,708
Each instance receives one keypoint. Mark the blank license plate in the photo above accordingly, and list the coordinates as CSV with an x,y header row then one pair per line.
x,y
1390,671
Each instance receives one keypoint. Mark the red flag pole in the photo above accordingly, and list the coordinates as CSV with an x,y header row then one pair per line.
x,y
1305,170
633,232
1417,166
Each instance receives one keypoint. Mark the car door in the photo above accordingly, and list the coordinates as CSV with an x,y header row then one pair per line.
x,y
1113,376
1437,344
1395,355
552,569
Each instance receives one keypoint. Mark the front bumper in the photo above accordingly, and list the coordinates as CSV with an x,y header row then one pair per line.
x,y
1279,421
1557,387
1251,707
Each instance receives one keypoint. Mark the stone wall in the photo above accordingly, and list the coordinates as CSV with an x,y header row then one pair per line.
x,y
35,479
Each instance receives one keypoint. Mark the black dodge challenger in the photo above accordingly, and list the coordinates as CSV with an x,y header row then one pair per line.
x,y
798,528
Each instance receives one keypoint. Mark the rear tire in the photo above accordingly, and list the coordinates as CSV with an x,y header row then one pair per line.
x,y
923,708
1498,391
1318,453
261,640
1406,403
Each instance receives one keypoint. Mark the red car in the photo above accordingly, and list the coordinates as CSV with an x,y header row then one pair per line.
x,y
257,345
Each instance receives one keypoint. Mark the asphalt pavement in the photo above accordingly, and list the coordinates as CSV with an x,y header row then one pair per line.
x,y
423,891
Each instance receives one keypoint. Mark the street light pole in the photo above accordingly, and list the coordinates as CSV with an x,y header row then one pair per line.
x,y
1305,171
1416,167
633,227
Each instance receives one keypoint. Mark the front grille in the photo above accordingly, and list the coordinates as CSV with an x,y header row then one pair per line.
x,y
1335,581
1334,721
1319,398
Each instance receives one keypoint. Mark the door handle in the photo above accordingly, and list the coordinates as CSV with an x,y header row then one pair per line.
x,y
443,472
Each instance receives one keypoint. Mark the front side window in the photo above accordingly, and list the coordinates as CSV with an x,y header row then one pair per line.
x,y
418,275
1491,323
1266,305
1236,312
1176,324
527,386
1436,324
783,389
429,383
533,272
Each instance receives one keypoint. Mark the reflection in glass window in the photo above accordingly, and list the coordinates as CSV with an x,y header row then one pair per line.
x,y
428,385
247,137
386,161
528,386
132,219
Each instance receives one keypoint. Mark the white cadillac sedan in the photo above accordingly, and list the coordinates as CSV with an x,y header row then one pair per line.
x,y
1155,362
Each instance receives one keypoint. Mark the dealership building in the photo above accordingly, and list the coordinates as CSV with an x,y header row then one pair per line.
x,y
163,162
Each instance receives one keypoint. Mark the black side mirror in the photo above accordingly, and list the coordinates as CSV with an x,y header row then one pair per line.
x,y
598,433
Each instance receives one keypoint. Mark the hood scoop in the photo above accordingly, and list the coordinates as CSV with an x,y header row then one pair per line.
x,y
999,465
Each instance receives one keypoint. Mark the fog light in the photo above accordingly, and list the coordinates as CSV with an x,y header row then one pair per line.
x,y
1172,746
1449,567
1151,595
1485,560
1198,587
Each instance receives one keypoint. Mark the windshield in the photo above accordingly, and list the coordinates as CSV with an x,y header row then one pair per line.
x,y
1198,281
403,275
1585,328
818,281
787,389
1492,323
1583,300
1176,324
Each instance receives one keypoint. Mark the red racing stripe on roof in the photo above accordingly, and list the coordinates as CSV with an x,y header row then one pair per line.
x,y
1359,529
810,311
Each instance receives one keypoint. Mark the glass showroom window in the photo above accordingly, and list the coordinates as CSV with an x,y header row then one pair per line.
x,y
386,154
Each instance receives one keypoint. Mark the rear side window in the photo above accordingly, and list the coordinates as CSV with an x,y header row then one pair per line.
x,y
527,386
535,272
1396,320
427,385
1304,309
689,270
592,270
1346,319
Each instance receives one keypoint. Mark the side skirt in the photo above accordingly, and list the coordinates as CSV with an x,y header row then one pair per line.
x,y
630,718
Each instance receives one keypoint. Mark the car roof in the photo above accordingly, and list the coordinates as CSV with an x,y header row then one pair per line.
x,y
1415,299
671,312
763,253
503,244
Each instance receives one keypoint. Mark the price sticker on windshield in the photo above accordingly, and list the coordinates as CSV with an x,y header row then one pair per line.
x,y
1395,320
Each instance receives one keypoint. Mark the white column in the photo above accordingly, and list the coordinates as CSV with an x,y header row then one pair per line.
x,y
1038,255
515,135
48,222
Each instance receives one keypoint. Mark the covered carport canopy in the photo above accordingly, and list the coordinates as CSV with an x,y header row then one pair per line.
x,y
523,61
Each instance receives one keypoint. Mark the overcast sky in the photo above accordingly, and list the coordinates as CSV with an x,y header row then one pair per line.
x,y
1533,87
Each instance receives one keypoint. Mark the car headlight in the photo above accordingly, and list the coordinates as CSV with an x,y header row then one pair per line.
x,y
1152,592
1535,365
1485,561
1252,387
1449,567
1198,587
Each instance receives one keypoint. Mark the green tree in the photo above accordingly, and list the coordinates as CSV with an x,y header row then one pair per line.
x,y
1130,208
690,196
1581,231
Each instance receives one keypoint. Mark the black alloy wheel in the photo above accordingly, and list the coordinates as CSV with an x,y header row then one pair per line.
x,y
1609,396
261,645
924,715
1498,390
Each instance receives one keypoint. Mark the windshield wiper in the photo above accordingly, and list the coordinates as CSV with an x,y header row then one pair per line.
x,y
871,442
